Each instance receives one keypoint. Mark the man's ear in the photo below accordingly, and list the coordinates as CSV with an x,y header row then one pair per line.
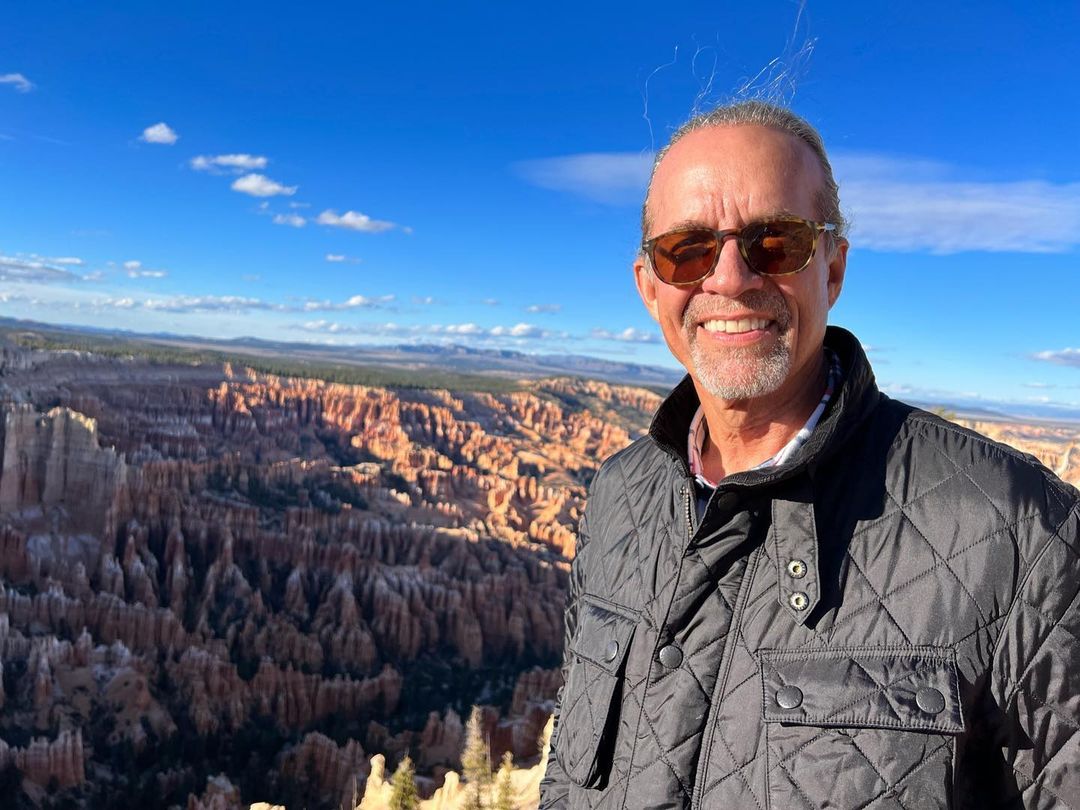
x,y
646,286
837,268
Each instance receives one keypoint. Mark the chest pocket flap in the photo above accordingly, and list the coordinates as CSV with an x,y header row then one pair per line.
x,y
587,718
914,689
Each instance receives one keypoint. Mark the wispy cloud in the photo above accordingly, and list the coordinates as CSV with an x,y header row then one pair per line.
x,y
627,335
917,205
1061,357
73,261
543,308
236,163
491,302
609,177
18,81
424,300
354,302
35,269
292,220
159,133
259,185
353,221
191,303
453,330
341,258
233,303
135,269
896,204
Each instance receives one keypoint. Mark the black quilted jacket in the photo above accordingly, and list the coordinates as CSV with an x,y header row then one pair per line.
x,y
888,622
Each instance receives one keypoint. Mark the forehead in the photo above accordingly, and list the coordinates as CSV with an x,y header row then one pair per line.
x,y
726,176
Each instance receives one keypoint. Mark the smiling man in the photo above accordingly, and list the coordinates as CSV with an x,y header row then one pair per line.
x,y
796,592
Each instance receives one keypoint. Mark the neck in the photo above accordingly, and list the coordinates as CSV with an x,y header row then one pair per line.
x,y
744,433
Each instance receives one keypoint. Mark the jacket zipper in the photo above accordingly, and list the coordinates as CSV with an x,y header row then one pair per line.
x,y
687,500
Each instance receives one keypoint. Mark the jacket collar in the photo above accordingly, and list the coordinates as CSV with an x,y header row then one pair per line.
x,y
857,397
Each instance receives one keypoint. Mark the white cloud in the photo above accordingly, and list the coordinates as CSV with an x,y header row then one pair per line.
x,y
193,303
34,269
518,330
456,331
1062,357
627,335
895,204
354,302
353,220
259,185
232,303
918,205
66,260
237,162
132,265
539,308
322,325
18,81
461,329
340,258
491,302
424,300
609,177
294,204
293,220
147,273
160,133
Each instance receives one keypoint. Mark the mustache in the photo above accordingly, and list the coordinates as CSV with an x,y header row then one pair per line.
x,y
768,303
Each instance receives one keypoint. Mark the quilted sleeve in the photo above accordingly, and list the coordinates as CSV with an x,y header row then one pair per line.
x,y
555,786
1036,674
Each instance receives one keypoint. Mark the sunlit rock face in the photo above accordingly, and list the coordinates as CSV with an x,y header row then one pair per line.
x,y
1056,446
218,586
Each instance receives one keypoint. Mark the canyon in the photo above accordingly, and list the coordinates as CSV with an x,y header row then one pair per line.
x,y
222,586
219,582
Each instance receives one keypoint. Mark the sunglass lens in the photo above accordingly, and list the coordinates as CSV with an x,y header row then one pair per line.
x,y
684,257
775,248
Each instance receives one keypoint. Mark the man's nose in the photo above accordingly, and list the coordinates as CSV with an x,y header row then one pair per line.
x,y
732,277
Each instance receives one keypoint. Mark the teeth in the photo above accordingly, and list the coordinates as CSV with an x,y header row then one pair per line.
x,y
736,327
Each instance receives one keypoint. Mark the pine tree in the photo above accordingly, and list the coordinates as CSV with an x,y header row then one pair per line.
x,y
504,791
476,763
403,792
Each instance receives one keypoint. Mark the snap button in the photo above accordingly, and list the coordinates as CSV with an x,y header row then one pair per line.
x,y
789,697
930,700
727,501
670,656
798,600
796,569
611,650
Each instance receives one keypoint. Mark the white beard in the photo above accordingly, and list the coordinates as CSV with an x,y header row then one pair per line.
x,y
741,372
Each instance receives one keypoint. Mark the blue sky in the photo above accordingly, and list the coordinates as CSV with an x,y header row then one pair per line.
x,y
471,172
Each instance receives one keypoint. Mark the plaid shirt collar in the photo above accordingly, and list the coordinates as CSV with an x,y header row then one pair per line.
x,y
699,429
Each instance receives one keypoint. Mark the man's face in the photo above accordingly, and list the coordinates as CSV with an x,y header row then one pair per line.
x,y
742,336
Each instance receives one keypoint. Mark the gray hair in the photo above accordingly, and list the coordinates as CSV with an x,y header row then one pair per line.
x,y
763,114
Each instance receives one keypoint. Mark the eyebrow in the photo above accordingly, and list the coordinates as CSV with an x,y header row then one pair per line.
x,y
692,224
